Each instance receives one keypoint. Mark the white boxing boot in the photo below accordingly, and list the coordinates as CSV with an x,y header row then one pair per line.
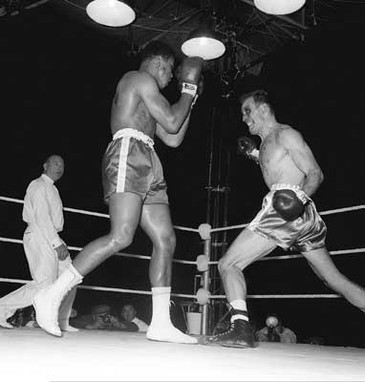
x,y
161,328
48,300
3,321
168,333
66,327
64,312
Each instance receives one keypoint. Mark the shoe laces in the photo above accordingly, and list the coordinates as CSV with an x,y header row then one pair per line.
x,y
230,330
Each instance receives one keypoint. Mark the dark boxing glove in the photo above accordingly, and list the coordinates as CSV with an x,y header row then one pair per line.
x,y
289,204
189,75
247,147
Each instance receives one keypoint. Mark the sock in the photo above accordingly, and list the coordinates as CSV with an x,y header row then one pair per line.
x,y
161,306
239,310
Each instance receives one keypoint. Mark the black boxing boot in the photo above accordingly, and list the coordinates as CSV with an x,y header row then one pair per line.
x,y
239,335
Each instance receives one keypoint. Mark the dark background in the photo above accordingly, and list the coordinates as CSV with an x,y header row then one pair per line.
x,y
57,82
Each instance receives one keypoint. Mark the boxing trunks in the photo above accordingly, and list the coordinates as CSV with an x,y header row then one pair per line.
x,y
130,164
304,234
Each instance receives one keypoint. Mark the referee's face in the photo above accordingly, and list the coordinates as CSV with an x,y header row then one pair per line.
x,y
54,167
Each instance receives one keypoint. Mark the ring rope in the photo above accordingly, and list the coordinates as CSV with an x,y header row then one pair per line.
x,y
122,254
193,262
222,296
120,290
98,288
328,212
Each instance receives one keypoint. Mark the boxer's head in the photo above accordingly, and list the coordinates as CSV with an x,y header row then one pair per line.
x,y
158,59
256,107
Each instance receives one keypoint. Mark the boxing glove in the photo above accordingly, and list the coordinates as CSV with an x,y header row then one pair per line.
x,y
289,204
189,75
247,147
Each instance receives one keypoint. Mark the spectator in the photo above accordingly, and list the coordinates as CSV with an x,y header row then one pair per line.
x,y
102,318
32,323
275,331
99,317
46,252
128,313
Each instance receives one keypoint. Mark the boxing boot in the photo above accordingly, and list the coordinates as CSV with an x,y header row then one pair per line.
x,y
239,335
3,321
66,327
161,328
168,333
48,300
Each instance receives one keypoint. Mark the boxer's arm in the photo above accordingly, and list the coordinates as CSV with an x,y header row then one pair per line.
x,y
303,158
169,117
173,140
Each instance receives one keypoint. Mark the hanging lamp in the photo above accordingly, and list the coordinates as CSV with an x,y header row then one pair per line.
x,y
111,13
279,7
203,42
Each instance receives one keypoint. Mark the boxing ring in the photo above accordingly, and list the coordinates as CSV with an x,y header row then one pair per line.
x,y
30,354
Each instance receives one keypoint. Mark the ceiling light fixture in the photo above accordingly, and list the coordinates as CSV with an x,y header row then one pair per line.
x,y
279,7
204,43
111,13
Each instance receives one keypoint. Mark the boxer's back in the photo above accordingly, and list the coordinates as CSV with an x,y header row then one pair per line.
x,y
128,108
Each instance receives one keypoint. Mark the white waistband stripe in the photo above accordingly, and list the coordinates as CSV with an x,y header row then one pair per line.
x,y
122,168
132,133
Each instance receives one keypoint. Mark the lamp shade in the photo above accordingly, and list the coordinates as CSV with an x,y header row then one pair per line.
x,y
203,43
112,13
279,7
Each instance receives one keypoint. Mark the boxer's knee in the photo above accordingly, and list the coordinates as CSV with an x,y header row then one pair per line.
x,y
122,238
230,263
225,265
167,244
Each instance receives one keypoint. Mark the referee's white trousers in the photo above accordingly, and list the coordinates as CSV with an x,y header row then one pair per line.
x,y
44,268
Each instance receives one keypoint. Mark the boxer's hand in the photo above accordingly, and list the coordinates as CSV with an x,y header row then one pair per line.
x,y
189,74
289,204
199,90
62,252
248,148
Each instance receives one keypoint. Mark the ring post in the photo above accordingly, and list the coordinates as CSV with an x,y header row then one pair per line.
x,y
204,231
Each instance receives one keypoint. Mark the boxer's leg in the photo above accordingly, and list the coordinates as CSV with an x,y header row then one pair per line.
x,y
322,264
156,222
246,248
42,262
124,210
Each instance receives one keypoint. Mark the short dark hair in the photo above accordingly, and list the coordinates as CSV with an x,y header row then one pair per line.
x,y
259,96
156,49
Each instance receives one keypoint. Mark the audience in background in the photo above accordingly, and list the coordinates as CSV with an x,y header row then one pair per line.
x,y
102,317
128,314
275,331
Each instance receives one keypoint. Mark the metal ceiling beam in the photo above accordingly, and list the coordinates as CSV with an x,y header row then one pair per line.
x,y
183,20
284,18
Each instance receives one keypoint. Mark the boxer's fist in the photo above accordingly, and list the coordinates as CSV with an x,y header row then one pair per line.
x,y
190,70
247,147
288,205
189,74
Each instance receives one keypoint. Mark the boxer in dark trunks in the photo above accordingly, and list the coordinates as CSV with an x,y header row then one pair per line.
x,y
134,186
288,217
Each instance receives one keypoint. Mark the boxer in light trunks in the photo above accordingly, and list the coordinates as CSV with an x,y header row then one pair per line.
x,y
288,217
134,186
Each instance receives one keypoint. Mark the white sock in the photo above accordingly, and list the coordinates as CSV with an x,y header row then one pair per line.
x,y
239,306
161,306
